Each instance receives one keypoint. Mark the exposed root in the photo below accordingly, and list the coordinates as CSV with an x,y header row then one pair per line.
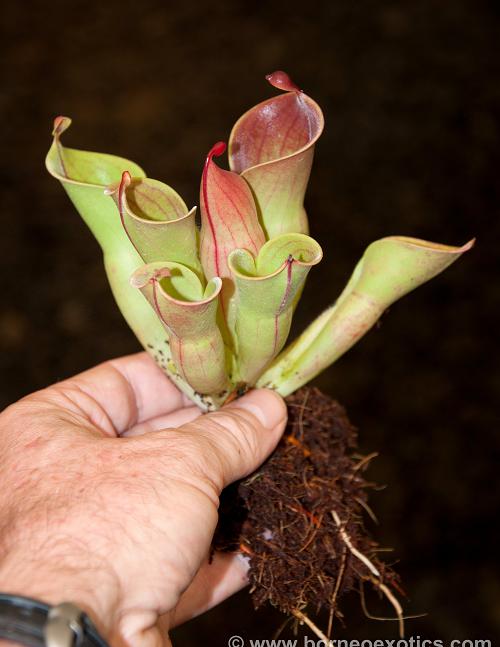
x,y
352,548
395,603
367,509
316,630
333,602
399,617
302,409
281,628
363,463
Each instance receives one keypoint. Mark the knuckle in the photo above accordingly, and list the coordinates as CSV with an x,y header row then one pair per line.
x,y
185,454
241,427
233,434
199,453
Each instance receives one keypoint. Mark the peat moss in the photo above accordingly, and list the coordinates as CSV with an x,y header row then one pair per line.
x,y
299,518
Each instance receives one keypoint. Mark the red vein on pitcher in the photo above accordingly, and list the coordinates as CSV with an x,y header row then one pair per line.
x,y
217,150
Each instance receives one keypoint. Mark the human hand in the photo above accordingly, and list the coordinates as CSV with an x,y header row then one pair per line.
x,y
109,487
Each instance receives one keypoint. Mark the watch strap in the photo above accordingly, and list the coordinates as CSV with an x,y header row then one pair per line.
x,y
36,624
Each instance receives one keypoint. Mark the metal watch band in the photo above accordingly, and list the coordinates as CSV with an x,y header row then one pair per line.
x,y
36,624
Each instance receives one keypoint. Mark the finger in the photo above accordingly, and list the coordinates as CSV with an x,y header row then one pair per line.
x,y
214,583
123,392
241,435
170,420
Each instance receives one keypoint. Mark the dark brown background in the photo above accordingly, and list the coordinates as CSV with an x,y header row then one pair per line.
x,y
411,95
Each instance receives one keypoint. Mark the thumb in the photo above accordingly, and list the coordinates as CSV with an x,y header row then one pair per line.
x,y
242,434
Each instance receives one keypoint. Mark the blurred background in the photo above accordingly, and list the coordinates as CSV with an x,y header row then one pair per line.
x,y
411,98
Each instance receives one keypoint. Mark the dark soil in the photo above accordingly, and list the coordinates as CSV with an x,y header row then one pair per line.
x,y
300,517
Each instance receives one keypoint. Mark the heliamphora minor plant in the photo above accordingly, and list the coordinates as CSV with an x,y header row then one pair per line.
x,y
214,307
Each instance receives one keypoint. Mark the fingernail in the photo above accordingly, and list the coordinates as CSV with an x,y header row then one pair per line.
x,y
266,405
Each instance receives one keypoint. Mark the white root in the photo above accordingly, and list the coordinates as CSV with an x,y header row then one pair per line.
x,y
333,602
354,550
376,580
316,630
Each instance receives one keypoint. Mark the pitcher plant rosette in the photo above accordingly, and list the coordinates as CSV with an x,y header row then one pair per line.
x,y
214,306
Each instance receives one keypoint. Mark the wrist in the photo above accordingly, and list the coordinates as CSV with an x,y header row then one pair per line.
x,y
60,574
